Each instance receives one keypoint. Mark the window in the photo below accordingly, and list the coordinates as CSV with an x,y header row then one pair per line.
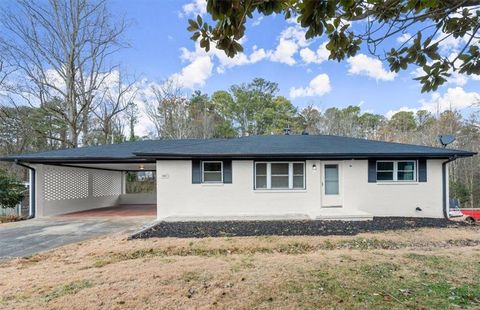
x,y
279,175
385,170
261,176
212,172
331,180
396,171
406,171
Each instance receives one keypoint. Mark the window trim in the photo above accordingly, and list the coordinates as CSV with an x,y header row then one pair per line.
x,y
212,162
269,176
395,171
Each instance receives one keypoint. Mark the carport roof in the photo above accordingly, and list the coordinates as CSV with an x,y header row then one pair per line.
x,y
273,147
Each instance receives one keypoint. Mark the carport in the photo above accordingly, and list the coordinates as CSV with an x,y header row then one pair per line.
x,y
93,178
99,188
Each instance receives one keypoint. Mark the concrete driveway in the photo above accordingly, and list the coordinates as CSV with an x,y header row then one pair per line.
x,y
37,235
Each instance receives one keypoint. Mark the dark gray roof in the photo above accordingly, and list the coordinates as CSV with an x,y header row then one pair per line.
x,y
292,146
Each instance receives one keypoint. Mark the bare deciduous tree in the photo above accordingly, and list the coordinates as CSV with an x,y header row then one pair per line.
x,y
131,117
169,111
61,50
114,100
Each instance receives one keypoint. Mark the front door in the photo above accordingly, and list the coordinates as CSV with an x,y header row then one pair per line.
x,y
332,184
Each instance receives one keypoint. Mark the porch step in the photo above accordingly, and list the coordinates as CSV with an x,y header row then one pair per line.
x,y
239,218
340,214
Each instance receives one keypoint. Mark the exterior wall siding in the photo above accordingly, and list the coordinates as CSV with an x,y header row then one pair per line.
x,y
393,199
178,197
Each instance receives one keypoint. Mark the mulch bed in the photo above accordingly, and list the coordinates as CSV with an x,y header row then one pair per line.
x,y
286,228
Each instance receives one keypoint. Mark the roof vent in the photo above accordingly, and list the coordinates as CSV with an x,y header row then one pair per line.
x,y
287,130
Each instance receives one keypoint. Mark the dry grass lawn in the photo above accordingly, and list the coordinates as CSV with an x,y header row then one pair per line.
x,y
424,268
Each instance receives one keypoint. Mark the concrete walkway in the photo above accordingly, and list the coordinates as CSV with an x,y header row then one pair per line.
x,y
37,235
117,211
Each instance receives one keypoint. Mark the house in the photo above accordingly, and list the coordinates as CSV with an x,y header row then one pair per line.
x,y
257,177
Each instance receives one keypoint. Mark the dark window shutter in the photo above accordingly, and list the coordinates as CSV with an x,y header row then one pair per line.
x,y
422,170
227,171
372,171
196,172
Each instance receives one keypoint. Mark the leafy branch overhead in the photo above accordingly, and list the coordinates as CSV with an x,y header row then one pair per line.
x,y
382,21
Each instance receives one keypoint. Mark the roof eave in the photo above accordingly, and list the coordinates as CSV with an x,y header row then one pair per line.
x,y
150,157
307,155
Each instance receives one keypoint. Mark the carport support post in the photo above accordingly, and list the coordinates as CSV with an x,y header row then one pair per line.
x,y
124,182
40,189
31,192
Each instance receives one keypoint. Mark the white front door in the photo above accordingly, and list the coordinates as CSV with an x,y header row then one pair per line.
x,y
332,184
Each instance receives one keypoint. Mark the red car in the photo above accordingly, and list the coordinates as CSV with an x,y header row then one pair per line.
x,y
472,215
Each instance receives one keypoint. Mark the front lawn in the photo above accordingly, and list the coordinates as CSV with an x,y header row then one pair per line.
x,y
422,268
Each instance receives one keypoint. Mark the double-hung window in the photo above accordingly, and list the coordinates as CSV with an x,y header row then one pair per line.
x,y
212,172
397,171
279,175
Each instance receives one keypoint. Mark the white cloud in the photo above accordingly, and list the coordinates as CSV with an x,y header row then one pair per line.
x,y
390,113
453,99
321,55
320,85
404,38
290,41
196,73
295,34
308,55
201,63
257,21
361,64
448,44
457,79
284,52
194,8
257,54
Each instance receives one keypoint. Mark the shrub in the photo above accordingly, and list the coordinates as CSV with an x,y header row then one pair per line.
x,y
12,191
459,191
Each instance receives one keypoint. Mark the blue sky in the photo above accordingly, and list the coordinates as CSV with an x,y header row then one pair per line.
x,y
275,50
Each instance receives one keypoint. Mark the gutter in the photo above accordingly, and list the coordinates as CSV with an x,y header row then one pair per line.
x,y
445,184
32,194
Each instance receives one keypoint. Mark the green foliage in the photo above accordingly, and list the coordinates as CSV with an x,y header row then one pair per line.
x,y
255,108
384,20
403,121
135,184
206,120
459,191
68,289
28,129
12,191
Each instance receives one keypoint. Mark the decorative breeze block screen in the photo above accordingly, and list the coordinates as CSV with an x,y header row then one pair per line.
x,y
107,183
65,183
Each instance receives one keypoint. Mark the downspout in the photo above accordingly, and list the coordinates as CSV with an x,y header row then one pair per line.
x,y
445,184
32,200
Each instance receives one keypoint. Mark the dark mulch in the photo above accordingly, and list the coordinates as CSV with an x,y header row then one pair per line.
x,y
286,228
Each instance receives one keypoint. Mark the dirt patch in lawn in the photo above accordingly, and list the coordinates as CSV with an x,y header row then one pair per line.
x,y
421,268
